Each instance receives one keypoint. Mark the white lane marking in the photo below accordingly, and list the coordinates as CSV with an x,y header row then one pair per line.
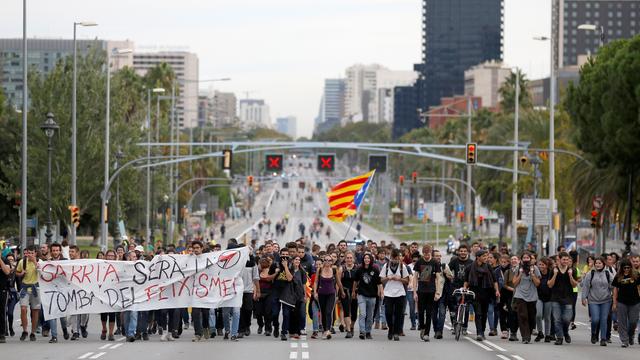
x,y
494,345
478,343
447,327
305,345
85,355
293,355
122,338
503,357
305,355
517,357
294,345
580,323
97,355
104,347
303,337
116,346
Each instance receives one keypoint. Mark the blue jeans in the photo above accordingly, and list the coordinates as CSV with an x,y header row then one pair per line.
x,y
212,320
599,315
439,314
232,314
142,322
491,315
543,316
314,314
366,308
411,303
130,322
53,325
562,318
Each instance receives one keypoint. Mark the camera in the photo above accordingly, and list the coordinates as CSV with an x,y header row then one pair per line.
x,y
526,268
282,258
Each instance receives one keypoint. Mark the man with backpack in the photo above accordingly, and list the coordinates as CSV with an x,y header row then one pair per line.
x,y
427,276
395,277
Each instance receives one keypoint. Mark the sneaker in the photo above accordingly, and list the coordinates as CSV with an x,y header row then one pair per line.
x,y
32,337
425,338
314,335
594,338
11,332
493,333
131,338
504,336
219,332
226,336
567,339
479,338
240,335
376,325
332,331
465,332
83,331
53,340
390,336
384,327
117,332
573,326
205,333
631,340
196,338
368,336
145,336
396,338
234,338
603,343
625,345
422,334
539,337
526,341
75,336
283,337
103,335
45,333
111,338
513,337
349,335
259,330
160,331
361,336
164,337
3,339
558,341
24,336
438,335
413,327
267,333
276,332
341,328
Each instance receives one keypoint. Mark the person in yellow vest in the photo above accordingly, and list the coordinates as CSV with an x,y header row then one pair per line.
x,y
27,269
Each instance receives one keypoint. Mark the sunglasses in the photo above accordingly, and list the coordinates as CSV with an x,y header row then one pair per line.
x,y
626,267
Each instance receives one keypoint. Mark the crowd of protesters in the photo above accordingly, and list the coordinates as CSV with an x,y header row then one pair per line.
x,y
370,287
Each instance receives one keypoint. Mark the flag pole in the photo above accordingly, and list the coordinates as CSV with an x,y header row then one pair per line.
x,y
349,228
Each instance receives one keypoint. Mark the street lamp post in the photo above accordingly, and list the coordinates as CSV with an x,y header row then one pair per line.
x,y
49,127
74,128
514,191
119,157
25,94
104,233
148,210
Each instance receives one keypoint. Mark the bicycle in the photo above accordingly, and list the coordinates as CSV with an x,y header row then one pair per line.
x,y
461,315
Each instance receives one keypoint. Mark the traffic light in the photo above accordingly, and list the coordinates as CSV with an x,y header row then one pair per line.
x,y
250,180
414,177
75,215
326,162
274,162
401,180
227,157
378,163
594,218
472,153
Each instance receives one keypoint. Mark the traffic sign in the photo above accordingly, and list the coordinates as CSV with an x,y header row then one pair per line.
x,y
274,162
543,211
378,163
326,162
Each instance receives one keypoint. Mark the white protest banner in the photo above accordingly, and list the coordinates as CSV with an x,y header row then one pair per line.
x,y
210,280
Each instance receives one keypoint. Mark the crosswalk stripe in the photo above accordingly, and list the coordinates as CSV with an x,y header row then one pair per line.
x,y
305,355
97,355
494,345
116,346
293,355
104,346
478,343
85,355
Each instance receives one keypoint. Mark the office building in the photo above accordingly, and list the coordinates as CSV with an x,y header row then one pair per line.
x,y
44,54
620,19
485,81
287,125
457,34
254,113
185,66
332,105
224,109
381,108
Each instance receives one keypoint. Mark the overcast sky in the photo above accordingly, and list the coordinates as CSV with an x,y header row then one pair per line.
x,y
281,50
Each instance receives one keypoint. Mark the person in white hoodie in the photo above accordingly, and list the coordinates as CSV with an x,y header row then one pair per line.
x,y
596,293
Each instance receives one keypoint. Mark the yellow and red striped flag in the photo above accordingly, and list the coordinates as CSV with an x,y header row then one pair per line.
x,y
346,197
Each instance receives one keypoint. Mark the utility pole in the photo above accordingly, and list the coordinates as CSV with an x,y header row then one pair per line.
x,y
514,191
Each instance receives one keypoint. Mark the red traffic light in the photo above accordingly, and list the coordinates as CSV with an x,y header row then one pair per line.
x,y
274,162
472,154
414,177
326,162
401,180
594,213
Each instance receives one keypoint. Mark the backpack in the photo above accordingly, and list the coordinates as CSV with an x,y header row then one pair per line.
x,y
606,272
401,272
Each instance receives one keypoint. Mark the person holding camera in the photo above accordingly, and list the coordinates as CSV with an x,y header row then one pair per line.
x,y
525,297
561,284
281,267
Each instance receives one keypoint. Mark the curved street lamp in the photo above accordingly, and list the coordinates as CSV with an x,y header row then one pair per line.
x,y
49,127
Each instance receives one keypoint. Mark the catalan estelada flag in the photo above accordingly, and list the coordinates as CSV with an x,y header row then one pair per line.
x,y
346,197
